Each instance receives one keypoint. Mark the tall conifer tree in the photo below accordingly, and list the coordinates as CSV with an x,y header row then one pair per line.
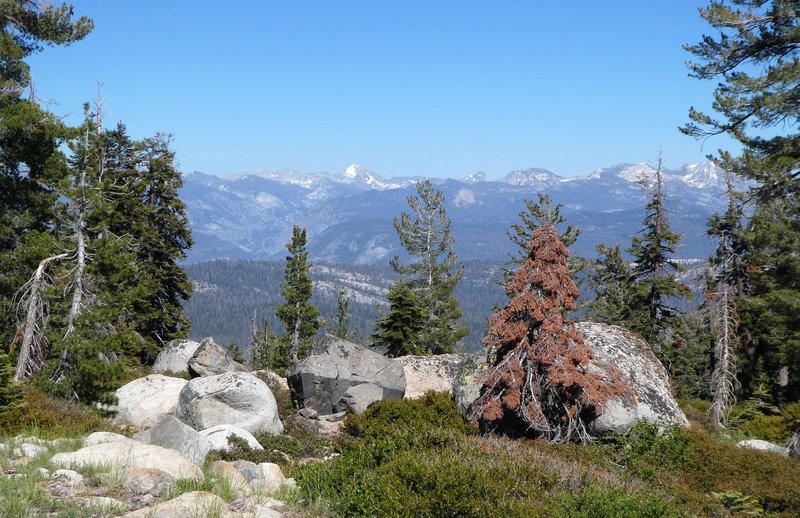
x,y
298,316
653,254
755,59
426,235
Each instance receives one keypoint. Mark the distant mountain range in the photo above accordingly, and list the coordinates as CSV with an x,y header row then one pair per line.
x,y
348,216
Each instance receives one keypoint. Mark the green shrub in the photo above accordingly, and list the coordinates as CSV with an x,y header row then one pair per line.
x,y
51,417
645,452
408,416
765,427
287,449
595,501
714,467
419,458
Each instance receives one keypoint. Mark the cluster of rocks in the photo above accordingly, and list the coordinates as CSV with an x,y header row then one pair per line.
x,y
133,474
340,377
180,421
222,392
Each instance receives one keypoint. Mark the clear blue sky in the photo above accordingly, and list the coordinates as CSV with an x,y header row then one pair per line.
x,y
432,88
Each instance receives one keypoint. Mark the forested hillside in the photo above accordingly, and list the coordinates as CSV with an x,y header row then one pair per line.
x,y
228,294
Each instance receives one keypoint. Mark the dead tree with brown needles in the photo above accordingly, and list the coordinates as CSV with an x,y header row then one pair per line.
x,y
540,384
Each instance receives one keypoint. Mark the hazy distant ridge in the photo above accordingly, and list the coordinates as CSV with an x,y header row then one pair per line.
x,y
349,215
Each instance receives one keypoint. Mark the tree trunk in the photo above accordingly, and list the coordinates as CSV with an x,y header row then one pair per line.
x,y
28,362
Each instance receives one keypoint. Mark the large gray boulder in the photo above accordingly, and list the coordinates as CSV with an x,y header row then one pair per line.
x,y
644,375
210,359
232,398
175,356
144,401
334,367
170,432
425,373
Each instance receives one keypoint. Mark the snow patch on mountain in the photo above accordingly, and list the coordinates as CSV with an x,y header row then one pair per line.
x,y
464,197
534,177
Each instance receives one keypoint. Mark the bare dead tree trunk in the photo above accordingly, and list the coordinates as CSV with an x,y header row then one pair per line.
x,y
723,379
30,354
659,212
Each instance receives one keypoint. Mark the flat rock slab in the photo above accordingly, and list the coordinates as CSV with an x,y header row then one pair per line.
x,y
425,373
758,444
123,456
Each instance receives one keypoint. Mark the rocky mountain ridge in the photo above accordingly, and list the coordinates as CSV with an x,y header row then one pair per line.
x,y
349,215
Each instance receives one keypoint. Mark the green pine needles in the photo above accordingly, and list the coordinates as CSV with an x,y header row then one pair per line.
x,y
426,236
399,330
299,317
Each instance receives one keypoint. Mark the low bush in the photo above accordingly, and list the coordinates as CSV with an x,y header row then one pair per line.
x,y
419,458
645,452
714,467
51,417
293,446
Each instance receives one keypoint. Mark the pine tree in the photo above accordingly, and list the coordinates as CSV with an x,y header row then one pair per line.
x,y
653,252
299,318
771,314
427,236
31,160
399,330
540,382
10,392
146,208
755,60
341,320
613,280
267,351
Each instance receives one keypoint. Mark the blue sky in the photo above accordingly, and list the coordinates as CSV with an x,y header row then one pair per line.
x,y
431,88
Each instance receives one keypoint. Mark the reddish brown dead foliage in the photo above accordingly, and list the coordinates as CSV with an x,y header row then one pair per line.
x,y
539,384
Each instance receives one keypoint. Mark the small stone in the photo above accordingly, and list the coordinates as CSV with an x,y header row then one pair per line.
x,y
142,481
71,476
29,450
309,413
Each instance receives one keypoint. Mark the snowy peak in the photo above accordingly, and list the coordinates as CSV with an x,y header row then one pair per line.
x,y
702,176
628,172
480,176
532,177
360,176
